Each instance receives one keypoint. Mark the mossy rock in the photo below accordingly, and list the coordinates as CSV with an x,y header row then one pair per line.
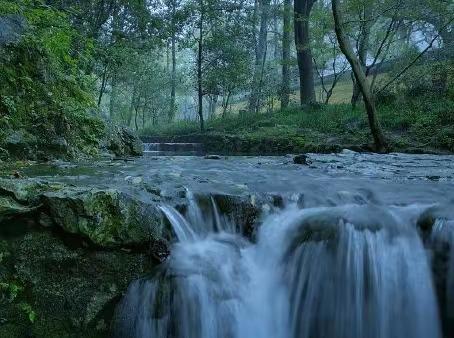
x,y
108,218
72,291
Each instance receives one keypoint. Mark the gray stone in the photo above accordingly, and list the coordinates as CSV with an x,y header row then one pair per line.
x,y
12,28
21,144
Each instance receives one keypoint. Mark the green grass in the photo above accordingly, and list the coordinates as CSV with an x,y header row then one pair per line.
x,y
423,122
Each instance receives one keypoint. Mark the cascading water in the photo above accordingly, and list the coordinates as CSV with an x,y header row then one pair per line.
x,y
441,242
173,148
350,271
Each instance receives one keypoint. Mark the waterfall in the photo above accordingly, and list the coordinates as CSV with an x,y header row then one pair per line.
x,y
441,243
351,271
173,148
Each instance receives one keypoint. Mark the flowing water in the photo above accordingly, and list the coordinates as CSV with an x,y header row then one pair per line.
x,y
359,246
353,270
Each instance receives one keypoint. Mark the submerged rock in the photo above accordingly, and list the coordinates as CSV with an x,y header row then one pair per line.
x,y
301,159
213,157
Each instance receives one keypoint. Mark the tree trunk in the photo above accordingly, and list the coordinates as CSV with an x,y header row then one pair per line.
x,y
136,125
172,108
254,99
199,71
103,85
226,104
303,10
286,42
360,75
113,95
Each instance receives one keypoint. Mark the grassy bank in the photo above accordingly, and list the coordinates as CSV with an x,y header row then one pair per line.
x,y
423,124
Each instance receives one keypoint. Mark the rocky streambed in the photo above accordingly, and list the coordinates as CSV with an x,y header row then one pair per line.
x,y
73,236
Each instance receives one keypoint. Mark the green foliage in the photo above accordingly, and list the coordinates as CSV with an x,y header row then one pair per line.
x,y
11,289
28,310
43,88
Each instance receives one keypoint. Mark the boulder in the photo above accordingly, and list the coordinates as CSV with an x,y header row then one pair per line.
x,y
109,218
122,142
106,217
12,28
21,145
301,159
10,208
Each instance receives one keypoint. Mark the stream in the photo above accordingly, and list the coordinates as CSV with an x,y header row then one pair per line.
x,y
358,246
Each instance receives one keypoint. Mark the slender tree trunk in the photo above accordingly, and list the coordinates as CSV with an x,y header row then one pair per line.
x,y
254,99
135,118
113,95
303,10
132,106
286,45
173,76
277,49
173,81
226,104
360,75
199,71
103,85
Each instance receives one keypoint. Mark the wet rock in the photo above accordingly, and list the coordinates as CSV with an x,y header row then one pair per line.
x,y
21,145
57,145
9,208
122,142
301,159
27,191
108,218
213,157
72,291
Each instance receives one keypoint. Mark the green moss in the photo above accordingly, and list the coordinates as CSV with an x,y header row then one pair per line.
x,y
44,90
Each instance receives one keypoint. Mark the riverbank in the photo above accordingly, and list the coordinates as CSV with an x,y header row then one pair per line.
x,y
425,125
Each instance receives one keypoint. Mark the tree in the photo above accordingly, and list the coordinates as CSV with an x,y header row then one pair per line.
x,y
286,45
260,56
360,76
303,10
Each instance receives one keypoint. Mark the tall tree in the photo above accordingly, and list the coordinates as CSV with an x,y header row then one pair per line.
x,y
286,45
361,79
173,71
303,10
199,65
260,56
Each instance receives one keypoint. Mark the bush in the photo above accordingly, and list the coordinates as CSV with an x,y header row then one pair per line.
x,y
43,88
